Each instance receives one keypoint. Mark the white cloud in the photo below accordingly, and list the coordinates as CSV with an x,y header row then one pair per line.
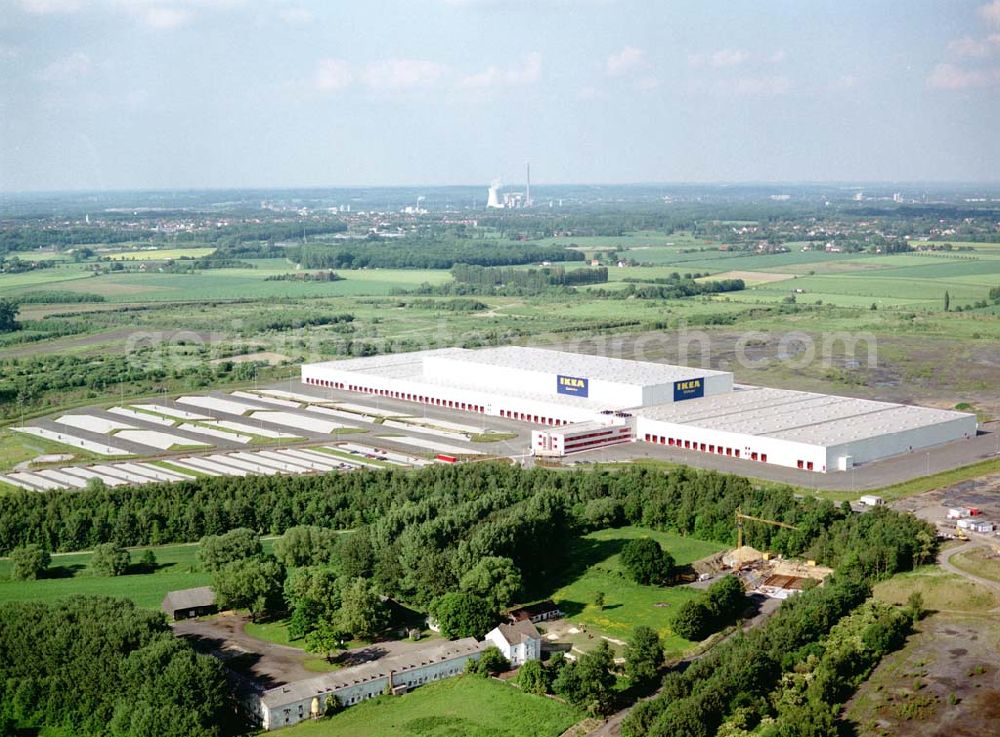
x,y
396,75
67,69
527,71
777,57
295,16
728,58
767,86
952,77
976,47
719,59
333,75
647,83
45,7
626,60
9,52
991,13
164,18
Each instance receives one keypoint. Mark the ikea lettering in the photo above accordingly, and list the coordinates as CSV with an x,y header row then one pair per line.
x,y
690,389
573,385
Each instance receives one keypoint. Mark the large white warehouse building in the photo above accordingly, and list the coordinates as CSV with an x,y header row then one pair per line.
x,y
689,408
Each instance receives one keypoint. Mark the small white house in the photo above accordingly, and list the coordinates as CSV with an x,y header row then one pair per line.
x,y
956,513
870,500
519,642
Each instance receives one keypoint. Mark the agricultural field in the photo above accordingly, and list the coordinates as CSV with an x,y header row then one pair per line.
x,y
215,284
468,706
595,568
172,333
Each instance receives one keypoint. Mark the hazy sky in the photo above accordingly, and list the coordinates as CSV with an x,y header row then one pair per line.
x,y
116,94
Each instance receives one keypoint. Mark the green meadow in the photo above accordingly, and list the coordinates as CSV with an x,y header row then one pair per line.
x,y
595,567
468,706
176,568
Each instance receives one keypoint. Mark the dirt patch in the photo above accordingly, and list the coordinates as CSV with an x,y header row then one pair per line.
x,y
750,277
266,664
982,493
272,359
945,681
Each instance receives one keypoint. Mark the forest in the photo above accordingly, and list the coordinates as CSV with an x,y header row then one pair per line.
x,y
423,253
464,542
521,281
412,526
100,666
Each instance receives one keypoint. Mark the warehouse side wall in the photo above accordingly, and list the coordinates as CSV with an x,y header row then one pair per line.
x,y
893,444
734,445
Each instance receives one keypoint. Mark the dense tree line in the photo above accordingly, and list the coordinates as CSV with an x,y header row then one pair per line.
x,y
807,698
101,666
314,276
674,289
526,280
448,305
8,315
471,507
57,296
423,253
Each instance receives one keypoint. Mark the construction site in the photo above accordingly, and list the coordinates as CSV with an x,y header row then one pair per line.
x,y
761,572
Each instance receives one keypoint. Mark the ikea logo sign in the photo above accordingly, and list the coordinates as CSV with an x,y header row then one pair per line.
x,y
573,385
690,389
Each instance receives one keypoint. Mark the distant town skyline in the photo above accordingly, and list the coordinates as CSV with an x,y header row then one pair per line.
x,y
161,94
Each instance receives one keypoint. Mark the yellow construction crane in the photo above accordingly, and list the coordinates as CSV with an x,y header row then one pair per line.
x,y
740,517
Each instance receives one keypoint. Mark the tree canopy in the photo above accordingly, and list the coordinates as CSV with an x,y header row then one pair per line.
x,y
95,666
646,561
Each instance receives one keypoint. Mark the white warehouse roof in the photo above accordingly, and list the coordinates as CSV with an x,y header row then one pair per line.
x,y
619,370
804,417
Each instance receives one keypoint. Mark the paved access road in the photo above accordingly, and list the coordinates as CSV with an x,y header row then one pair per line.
x,y
944,560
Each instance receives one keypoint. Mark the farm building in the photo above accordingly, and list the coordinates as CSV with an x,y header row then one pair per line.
x,y
308,699
518,642
540,612
595,401
189,603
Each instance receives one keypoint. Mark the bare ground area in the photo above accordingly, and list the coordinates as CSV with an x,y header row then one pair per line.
x,y
925,370
982,493
266,664
269,664
750,277
944,683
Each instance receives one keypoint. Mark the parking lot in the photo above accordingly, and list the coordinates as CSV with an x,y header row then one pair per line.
x,y
265,431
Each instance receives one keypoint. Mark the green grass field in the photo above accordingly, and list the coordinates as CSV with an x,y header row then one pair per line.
x,y
979,562
177,568
595,567
942,591
467,706
16,447
159,254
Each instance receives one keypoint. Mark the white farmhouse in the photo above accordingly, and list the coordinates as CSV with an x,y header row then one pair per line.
x,y
519,642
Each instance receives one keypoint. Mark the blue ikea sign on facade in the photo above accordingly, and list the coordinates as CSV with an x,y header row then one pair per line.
x,y
689,389
573,385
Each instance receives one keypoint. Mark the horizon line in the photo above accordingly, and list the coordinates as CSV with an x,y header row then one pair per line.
x,y
845,183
